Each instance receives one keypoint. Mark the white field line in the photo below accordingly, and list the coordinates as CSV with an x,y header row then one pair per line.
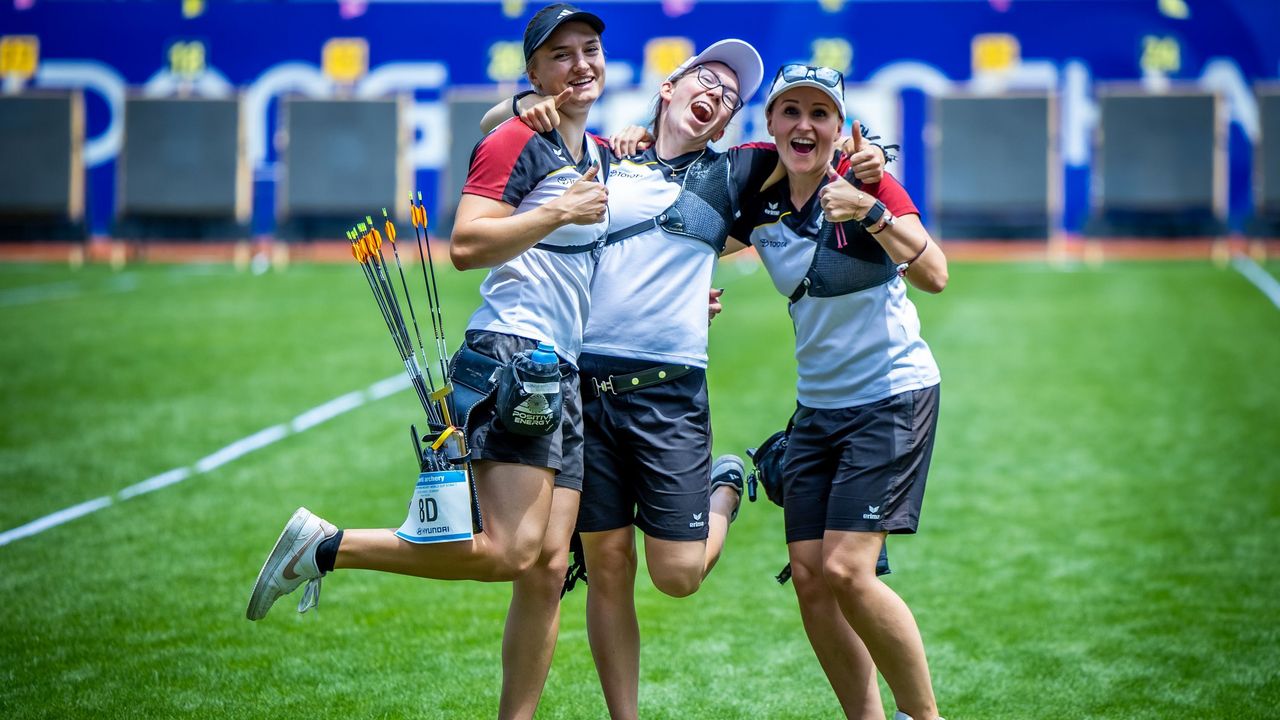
x,y
1259,277
236,450
61,291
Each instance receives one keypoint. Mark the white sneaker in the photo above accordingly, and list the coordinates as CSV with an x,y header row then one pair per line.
x,y
903,716
291,562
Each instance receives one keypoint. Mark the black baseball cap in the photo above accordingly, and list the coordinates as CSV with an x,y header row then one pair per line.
x,y
546,20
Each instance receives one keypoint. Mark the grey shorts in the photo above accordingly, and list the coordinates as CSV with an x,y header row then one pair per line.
x,y
489,439
862,468
647,453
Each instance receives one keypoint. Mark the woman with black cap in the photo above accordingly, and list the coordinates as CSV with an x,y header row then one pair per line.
x,y
531,202
855,464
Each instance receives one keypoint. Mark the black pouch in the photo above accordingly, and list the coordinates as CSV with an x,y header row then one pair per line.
x,y
529,400
768,466
474,376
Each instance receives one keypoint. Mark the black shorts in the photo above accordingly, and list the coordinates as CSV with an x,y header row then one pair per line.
x,y
862,468
647,453
489,438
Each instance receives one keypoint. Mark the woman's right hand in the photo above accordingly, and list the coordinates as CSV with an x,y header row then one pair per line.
x,y
630,140
841,201
544,116
585,202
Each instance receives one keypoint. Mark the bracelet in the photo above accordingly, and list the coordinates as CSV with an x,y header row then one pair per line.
x,y
902,267
515,101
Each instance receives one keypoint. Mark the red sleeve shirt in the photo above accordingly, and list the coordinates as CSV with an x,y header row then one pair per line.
x,y
504,163
890,192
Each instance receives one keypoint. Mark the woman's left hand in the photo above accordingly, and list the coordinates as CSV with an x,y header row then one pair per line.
x,y
630,140
841,201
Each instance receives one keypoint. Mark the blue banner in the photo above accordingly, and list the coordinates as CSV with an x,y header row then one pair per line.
x,y
896,53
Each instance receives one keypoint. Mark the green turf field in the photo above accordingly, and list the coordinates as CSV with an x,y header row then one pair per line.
x,y
1100,535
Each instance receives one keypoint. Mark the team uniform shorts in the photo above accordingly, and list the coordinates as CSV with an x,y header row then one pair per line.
x,y
859,469
489,438
647,453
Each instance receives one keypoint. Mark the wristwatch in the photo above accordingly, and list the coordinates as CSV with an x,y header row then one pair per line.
x,y
872,218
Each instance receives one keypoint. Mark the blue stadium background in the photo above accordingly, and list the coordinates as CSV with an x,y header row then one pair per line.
x,y
1228,45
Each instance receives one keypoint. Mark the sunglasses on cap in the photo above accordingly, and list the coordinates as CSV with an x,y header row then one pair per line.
x,y
796,72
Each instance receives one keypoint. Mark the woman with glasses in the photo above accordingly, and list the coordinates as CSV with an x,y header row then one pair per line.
x,y
855,465
647,421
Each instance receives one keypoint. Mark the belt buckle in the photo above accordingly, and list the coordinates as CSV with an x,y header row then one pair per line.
x,y
601,387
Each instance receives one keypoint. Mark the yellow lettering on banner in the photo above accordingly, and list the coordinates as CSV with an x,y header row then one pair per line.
x,y
19,55
1161,55
995,52
835,53
187,59
513,8
345,60
192,8
831,6
662,55
1176,9
506,61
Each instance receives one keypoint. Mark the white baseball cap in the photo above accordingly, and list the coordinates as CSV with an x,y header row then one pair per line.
x,y
738,55
794,75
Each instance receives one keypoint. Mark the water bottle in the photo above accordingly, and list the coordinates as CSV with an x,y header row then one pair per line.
x,y
529,400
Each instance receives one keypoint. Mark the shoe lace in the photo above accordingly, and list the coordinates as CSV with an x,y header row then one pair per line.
x,y
310,595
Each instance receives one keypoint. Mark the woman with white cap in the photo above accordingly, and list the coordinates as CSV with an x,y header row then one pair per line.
x,y
855,465
648,438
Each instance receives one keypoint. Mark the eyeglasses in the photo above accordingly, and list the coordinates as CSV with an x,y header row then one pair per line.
x,y
795,72
711,81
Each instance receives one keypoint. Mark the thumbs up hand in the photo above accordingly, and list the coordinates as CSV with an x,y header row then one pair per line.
x,y
841,201
585,202
544,116
867,160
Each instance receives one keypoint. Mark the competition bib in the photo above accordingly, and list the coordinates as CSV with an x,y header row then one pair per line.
x,y
440,509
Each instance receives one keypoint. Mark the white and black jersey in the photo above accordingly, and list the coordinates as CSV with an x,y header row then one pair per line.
x,y
650,292
540,294
851,349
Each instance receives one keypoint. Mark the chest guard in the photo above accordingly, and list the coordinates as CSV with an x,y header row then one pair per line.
x,y
846,260
703,210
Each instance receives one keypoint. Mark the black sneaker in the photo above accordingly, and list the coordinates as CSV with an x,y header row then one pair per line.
x,y
729,470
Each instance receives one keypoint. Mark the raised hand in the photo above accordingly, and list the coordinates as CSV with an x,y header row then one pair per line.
x,y
866,159
585,202
544,116
841,201
630,140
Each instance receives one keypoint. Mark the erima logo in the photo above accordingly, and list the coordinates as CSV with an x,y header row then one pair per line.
x,y
872,513
697,521
772,209
563,13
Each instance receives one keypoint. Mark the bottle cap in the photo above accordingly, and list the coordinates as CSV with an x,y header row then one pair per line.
x,y
544,353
